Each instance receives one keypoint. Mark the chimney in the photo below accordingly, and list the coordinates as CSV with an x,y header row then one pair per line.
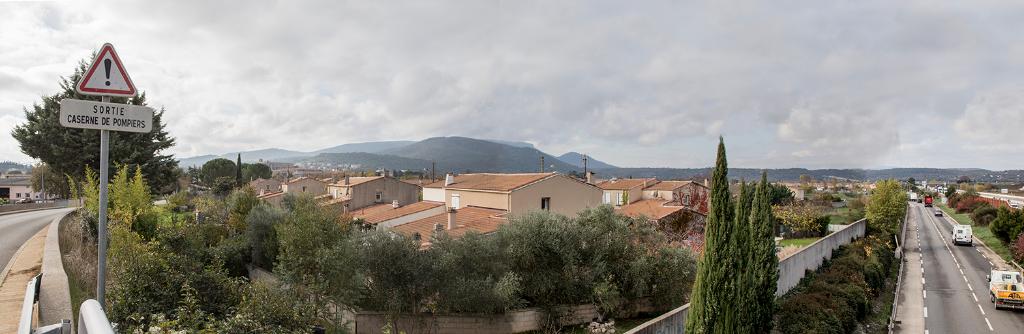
x,y
346,182
705,182
394,204
451,219
590,177
448,179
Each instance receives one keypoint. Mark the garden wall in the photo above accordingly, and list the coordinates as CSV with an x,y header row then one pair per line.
x,y
791,269
516,321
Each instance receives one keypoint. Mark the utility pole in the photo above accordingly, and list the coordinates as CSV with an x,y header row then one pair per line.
x,y
433,170
584,165
42,181
542,164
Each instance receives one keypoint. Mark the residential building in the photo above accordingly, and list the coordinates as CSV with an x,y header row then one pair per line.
x,y
620,192
515,193
305,185
272,198
687,194
264,186
359,192
455,223
387,215
14,188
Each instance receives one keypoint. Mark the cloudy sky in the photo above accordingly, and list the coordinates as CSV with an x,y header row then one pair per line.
x,y
634,83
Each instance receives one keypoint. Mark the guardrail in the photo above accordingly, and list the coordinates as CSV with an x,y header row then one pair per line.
x,y
28,306
900,243
92,319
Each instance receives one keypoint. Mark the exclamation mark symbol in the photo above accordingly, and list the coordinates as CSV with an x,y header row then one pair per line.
x,y
106,64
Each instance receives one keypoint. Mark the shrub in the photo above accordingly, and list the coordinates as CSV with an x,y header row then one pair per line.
x,y
1018,248
968,204
984,215
262,237
1008,224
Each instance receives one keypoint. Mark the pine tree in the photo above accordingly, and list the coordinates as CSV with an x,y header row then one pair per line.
x,y
710,292
764,263
71,150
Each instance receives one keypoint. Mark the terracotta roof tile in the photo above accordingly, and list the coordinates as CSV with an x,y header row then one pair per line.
x,y
650,208
670,185
383,212
492,182
625,184
470,218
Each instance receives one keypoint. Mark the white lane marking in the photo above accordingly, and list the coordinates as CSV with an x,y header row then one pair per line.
x,y
975,297
969,287
965,279
991,264
926,311
980,309
990,329
922,280
925,294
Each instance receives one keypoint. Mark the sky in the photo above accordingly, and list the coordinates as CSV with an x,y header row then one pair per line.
x,y
841,84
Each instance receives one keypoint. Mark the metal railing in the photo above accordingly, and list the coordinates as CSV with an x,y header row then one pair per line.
x,y
92,319
28,307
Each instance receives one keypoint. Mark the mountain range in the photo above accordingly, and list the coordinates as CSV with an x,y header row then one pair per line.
x,y
462,154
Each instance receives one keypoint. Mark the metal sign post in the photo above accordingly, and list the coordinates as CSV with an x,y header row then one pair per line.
x,y
106,77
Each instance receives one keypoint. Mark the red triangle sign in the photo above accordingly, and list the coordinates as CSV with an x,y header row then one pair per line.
x,y
106,76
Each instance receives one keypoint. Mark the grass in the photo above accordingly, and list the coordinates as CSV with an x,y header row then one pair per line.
x,y
981,232
799,242
78,257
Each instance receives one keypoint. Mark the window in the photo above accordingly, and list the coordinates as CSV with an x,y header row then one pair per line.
x,y
455,201
19,194
303,188
545,203
686,199
380,195
607,198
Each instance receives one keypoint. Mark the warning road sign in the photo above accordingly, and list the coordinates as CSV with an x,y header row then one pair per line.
x,y
105,116
106,76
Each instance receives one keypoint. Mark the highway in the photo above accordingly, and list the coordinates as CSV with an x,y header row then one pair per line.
x,y
16,228
953,291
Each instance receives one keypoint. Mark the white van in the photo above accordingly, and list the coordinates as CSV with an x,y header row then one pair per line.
x,y
962,234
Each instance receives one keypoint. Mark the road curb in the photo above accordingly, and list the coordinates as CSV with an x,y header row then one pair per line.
x,y
54,291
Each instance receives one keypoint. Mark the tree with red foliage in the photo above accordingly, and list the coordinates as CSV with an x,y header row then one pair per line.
x,y
1018,248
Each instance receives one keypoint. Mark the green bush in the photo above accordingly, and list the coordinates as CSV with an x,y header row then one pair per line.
x,y
1007,224
833,300
984,215
262,237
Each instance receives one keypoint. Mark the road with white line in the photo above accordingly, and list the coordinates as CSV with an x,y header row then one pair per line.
x,y
947,282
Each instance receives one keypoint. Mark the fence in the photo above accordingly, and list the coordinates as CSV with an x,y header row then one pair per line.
x,y
791,269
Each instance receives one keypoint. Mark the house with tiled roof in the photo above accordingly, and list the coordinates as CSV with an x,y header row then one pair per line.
x,y
687,194
305,185
13,188
454,223
262,186
273,198
355,193
387,215
517,193
620,192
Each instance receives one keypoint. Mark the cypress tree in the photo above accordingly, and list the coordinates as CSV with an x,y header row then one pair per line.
x,y
738,311
764,263
238,170
711,290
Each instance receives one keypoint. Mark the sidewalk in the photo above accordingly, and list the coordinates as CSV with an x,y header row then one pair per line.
x,y
910,311
25,264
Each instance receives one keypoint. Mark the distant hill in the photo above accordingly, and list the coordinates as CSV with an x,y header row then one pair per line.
x,y
368,147
512,143
268,154
462,154
576,159
363,160
8,166
793,174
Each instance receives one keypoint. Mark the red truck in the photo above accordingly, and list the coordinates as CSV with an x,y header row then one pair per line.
x,y
927,201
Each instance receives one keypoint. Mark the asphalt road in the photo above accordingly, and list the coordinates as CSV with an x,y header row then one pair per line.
x,y
16,228
956,298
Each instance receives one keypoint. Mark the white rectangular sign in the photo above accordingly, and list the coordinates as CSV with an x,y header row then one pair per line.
x,y
105,116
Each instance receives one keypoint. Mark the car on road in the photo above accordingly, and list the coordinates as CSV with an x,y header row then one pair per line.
x,y
1006,289
938,213
963,235
24,201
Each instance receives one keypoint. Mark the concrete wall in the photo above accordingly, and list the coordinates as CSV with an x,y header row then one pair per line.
x,y
793,267
433,194
312,187
791,270
672,322
493,200
365,194
568,196
516,321
33,206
